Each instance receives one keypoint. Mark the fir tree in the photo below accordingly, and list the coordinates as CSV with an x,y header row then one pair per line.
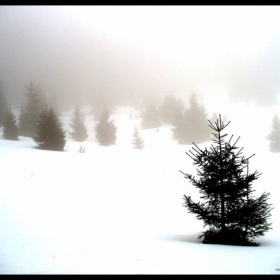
x,y
3,105
30,112
150,118
50,134
215,116
10,127
106,130
79,132
191,127
274,136
137,141
213,119
171,109
233,216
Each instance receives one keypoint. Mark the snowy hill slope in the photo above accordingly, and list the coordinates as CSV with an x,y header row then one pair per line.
x,y
120,210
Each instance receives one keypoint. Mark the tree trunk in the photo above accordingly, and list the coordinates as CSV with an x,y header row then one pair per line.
x,y
222,211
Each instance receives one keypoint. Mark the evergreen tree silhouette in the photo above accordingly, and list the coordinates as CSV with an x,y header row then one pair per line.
x,y
230,211
137,141
50,134
3,105
106,130
215,116
79,131
150,118
171,109
274,136
213,119
10,127
191,127
29,113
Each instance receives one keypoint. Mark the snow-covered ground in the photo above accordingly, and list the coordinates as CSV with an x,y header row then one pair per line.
x,y
117,210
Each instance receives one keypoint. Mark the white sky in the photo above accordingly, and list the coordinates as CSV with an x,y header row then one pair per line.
x,y
201,29
197,39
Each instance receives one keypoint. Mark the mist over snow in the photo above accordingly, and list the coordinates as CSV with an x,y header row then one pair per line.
x,y
75,53
115,209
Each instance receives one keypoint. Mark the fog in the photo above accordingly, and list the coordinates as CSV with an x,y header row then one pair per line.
x,y
129,53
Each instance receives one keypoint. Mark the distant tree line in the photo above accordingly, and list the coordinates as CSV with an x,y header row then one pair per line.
x,y
188,124
40,121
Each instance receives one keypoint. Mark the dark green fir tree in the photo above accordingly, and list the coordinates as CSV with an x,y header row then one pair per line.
x,y
105,130
79,131
50,134
10,127
29,113
229,210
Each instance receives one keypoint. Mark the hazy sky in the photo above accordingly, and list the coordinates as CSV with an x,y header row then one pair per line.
x,y
73,52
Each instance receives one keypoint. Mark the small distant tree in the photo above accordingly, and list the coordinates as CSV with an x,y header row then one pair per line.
x,y
10,127
50,134
230,211
274,136
137,141
29,113
106,130
150,118
79,131
3,105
